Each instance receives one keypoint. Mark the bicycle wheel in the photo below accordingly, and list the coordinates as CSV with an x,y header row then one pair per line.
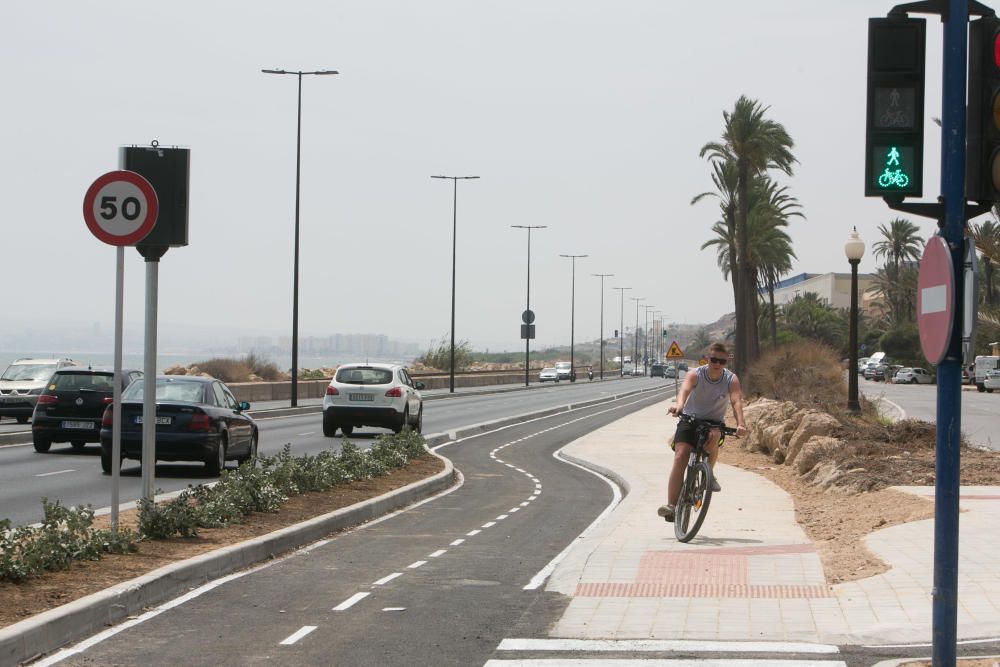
x,y
692,506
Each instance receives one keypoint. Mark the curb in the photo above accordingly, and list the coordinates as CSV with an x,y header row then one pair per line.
x,y
50,630
57,627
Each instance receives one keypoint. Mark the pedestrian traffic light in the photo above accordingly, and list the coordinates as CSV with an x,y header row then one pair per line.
x,y
894,136
616,333
982,155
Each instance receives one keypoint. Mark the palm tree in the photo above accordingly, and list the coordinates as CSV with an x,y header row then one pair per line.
x,y
724,179
986,236
900,243
755,144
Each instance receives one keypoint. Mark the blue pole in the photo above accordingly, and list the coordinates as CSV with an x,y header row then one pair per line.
x,y
949,396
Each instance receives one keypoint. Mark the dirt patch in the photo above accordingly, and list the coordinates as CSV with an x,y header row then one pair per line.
x,y
41,593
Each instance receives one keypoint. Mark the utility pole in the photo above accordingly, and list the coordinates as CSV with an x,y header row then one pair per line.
x,y
621,331
602,276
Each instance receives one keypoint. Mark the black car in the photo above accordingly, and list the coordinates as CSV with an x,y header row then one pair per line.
x,y
197,419
656,371
70,407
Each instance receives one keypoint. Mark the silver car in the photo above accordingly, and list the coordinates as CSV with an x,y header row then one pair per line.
x,y
548,375
23,382
382,395
913,376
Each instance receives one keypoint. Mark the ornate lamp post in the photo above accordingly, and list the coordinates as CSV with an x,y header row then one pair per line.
x,y
854,248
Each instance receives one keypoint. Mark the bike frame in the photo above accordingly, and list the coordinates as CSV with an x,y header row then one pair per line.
x,y
698,472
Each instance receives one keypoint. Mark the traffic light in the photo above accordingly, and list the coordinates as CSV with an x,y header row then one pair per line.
x,y
616,333
982,156
894,137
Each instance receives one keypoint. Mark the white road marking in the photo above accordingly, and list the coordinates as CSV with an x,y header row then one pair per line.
x,y
525,503
387,579
437,553
641,662
304,434
664,645
57,472
456,542
393,608
514,509
530,498
501,517
472,533
489,524
302,632
419,563
351,601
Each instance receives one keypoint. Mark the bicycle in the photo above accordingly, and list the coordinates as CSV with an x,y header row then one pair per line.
x,y
696,490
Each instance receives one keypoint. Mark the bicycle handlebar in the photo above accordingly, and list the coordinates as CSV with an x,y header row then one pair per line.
x,y
726,430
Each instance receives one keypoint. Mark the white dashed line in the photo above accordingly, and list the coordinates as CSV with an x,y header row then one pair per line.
x,y
501,517
351,601
525,503
413,566
298,435
393,608
456,542
473,533
57,472
489,524
514,509
302,632
437,553
385,580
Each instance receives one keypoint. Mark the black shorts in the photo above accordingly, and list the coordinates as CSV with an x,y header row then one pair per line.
x,y
687,433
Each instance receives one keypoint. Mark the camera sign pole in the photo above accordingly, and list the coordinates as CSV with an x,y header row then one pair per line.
x,y
120,209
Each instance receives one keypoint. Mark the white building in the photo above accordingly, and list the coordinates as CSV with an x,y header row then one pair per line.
x,y
833,288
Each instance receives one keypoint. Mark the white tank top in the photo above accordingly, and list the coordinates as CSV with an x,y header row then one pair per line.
x,y
708,399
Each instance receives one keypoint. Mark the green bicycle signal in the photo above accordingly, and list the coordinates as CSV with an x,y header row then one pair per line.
x,y
893,178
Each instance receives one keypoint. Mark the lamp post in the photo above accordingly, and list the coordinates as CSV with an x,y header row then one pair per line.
x,y
454,235
527,307
658,334
854,248
602,276
621,331
572,315
295,269
635,346
645,342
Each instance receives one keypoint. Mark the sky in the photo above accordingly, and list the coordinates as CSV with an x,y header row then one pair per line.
x,y
585,116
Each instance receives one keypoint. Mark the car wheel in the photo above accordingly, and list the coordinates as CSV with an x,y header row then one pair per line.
x,y
988,390
419,427
404,422
22,420
106,461
78,445
217,464
347,430
329,426
42,445
980,388
252,454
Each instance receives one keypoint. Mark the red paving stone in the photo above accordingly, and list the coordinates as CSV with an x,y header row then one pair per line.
x,y
611,590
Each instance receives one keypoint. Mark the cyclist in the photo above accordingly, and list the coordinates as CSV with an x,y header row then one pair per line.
x,y
703,395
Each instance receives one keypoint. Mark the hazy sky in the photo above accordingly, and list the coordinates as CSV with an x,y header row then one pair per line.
x,y
581,115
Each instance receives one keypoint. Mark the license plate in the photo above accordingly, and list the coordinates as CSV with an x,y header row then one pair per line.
x,y
158,420
86,425
362,397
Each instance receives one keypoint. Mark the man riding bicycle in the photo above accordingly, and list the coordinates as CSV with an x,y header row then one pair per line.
x,y
702,396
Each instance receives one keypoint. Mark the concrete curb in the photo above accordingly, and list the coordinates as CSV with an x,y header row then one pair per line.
x,y
52,629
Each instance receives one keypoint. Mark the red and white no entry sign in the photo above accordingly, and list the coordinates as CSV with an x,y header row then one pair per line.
x,y
935,299
120,208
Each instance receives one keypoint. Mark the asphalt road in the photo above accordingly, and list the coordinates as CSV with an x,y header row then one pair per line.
x,y
75,478
979,410
441,583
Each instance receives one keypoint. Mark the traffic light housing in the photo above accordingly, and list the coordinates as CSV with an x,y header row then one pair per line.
x,y
894,137
982,155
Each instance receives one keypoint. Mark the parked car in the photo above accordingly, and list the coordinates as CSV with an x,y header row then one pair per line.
x,y
992,380
670,371
682,366
984,364
197,419
70,408
913,376
861,365
564,369
656,371
381,395
23,382
548,375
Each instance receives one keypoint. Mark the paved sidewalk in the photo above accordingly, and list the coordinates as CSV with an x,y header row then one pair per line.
x,y
752,573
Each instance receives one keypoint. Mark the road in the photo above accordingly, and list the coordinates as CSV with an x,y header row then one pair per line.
x,y
441,583
75,478
980,422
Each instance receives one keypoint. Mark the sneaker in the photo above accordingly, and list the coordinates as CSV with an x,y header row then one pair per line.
x,y
667,512
716,487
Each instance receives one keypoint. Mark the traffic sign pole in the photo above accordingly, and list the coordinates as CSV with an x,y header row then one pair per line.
x,y
116,401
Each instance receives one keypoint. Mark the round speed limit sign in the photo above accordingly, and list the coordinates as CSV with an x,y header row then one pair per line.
x,y
120,208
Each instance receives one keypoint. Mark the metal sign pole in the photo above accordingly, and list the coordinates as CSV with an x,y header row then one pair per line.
x,y
676,373
116,409
149,386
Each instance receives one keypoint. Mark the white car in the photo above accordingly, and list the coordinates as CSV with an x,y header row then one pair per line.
x,y
912,376
548,375
382,395
564,369
992,380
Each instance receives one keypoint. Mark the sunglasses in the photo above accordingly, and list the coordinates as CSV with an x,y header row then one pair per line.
x,y
715,360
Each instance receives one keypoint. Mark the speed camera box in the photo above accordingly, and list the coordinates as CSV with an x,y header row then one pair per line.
x,y
167,170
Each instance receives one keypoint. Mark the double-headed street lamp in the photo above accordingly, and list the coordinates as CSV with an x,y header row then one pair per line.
x,y
855,250
646,342
527,307
635,346
621,330
295,270
454,235
602,276
572,316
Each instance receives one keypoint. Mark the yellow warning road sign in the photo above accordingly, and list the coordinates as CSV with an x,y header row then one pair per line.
x,y
675,351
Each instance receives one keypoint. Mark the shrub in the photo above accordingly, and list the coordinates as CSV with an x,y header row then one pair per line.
x,y
440,357
805,372
227,370
265,369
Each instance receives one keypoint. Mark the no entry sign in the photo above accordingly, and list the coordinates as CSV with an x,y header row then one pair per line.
x,y
935,299
120,208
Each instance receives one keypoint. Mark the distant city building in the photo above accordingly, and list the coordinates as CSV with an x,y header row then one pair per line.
x,y
376,345
833,288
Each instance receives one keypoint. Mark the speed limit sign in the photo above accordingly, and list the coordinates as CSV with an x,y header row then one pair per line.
x,y
120,208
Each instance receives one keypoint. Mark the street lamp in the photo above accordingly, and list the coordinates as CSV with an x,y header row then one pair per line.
x,y
658,334
621,330
854,248
645,342
527,307
602,276
295,270
635,346
572,316
454,233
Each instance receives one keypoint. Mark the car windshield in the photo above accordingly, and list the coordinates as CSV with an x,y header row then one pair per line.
x,y
23,372
184,391
548,370
104,382
364,376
